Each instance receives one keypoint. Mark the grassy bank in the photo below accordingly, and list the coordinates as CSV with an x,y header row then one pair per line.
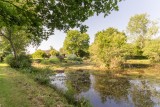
x,y
19,90
29,87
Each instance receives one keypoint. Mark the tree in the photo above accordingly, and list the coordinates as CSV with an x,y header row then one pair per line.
x,y
65,14
76,42
53,14
62,51
42,17
39,54
141,29
16,17
152,50
107,48
53,52
15,39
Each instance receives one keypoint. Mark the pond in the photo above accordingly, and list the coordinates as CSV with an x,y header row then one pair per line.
x,y
109,91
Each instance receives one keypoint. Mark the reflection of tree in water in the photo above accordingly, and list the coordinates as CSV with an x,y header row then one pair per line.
x,y
112,88
78,81
141,95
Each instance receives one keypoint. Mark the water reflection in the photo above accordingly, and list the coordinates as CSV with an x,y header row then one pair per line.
x,y
111,88
111,91
143,94
78,81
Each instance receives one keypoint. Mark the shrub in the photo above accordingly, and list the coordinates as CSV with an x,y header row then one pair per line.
x,y
11,61
22,61
78,59
50,61
74,57
37,60
54,60
39,54
71,57
45,61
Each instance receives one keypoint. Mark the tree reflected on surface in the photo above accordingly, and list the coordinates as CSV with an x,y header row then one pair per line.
x,y
78,81
142,95
107,90
111,88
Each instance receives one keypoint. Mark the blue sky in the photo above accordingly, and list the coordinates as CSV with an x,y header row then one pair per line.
x,y
117,19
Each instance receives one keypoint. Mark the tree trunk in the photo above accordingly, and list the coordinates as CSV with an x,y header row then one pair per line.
x,y
9,38
13,48
11,42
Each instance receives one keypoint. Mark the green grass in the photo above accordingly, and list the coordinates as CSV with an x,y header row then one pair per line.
x,y
19,90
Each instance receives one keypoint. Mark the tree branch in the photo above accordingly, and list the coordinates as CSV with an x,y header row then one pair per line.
x,y
2,34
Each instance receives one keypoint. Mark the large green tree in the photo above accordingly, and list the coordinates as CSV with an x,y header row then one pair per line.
x,y
14,39
42,17
18,24
76,43
65,14
141,28
53,14
152,50
107,49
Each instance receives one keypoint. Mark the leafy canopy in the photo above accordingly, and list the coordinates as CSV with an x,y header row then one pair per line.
x,y
76,42
52,51
65,14
108,47
152,50
141,28
53,14
39,54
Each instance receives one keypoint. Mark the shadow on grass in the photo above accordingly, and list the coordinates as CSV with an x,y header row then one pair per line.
x,y
136,65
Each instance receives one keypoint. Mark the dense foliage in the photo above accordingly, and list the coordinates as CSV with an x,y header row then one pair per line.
x,y
39,54
65,14
73,57
53,52
141,29
53,60
107,49
22,61
41,17
53,14
17,41
152,50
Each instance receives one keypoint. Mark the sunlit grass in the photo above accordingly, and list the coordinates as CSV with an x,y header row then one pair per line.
x,y
145,61
3,65
20,90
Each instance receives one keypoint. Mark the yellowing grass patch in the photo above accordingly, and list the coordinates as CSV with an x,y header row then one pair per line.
x,y
3,65
138,61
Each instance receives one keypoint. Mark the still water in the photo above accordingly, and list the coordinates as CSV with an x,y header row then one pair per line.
x,y
109,91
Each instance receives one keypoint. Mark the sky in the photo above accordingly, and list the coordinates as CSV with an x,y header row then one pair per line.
x,y
117,19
